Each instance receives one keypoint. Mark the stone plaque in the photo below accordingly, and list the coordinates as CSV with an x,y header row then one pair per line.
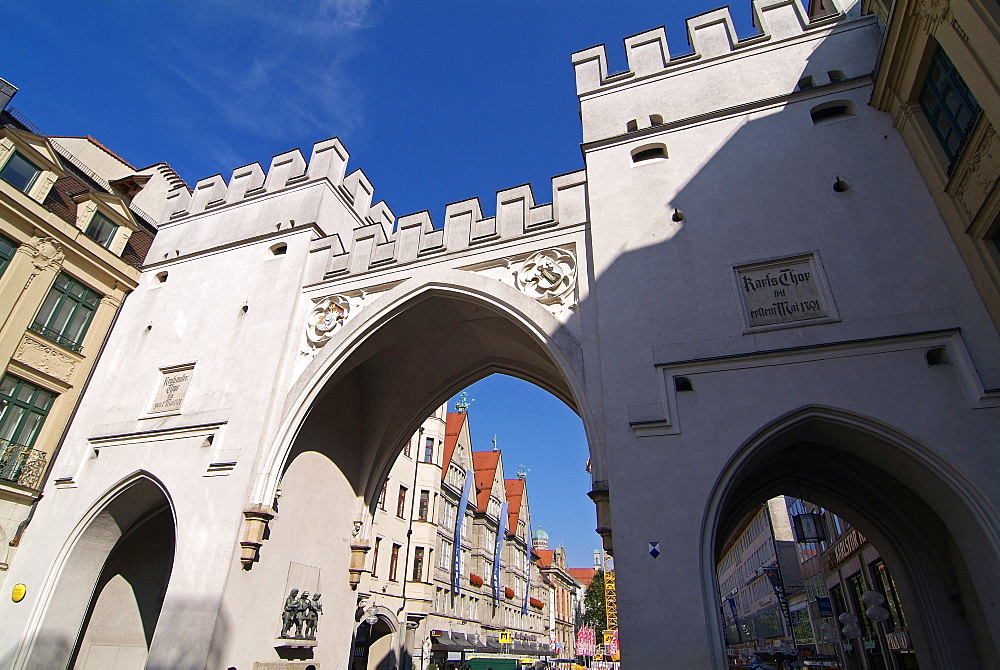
x,y
171,388
782,291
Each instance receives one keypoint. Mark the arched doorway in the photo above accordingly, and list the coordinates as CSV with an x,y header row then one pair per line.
x,y
366,393
928,528
375,645
104,608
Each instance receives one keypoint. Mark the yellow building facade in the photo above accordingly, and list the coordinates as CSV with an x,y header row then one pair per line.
x,y
62,280
938,75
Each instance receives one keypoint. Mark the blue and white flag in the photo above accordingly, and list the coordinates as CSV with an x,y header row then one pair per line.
x,y
527,573
456,563
498,551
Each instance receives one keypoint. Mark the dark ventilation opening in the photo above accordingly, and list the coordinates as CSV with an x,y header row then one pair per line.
x,y
836,76
279,249
632,126
655,120
649,153
806,83
829,111
683,384
161,277
938,356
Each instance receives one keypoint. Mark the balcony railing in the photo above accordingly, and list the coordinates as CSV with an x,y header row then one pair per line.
x,y
21,465
53,335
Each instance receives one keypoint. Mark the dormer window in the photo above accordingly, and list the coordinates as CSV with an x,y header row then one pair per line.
x,y
101,230
19,172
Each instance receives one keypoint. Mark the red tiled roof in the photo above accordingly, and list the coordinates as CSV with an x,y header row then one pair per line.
x,y
485,464
515,491
452,427
545,557
582,575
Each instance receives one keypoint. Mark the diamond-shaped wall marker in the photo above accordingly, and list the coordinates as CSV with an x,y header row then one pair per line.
x,y
654,549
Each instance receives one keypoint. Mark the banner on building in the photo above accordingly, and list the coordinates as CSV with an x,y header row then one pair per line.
x,y
498,551
527,572
586,639
774,576
456,563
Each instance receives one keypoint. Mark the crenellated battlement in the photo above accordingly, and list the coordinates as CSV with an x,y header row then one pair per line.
x,y
328,161
377,245
711,35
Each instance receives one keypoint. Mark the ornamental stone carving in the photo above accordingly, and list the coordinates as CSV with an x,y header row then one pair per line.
x,y
326,318
45,358
933,11
548,276
980,174
44,252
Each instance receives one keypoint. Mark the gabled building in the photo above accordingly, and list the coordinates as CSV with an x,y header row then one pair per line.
x,y
432,583
563,594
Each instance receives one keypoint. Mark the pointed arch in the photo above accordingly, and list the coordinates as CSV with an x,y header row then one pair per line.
x,y
56,622
548,355
922,514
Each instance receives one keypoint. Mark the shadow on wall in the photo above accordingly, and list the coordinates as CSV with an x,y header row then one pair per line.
x,y
807,176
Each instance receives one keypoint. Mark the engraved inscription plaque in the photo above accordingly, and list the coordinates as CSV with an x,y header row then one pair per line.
x,y
171,388
784,291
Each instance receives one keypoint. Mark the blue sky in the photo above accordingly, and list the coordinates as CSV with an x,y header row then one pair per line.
x,y
437,101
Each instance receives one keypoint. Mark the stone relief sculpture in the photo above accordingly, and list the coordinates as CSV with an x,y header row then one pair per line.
x,y
548,276
301,613
326,318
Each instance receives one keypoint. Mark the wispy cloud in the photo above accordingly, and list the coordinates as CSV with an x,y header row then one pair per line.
x,y
275,70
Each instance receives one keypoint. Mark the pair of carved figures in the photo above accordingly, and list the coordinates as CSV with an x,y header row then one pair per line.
x,y
302,613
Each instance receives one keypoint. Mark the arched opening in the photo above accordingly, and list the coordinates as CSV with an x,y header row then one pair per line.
x,y
892,525
105,606
374,647
376,384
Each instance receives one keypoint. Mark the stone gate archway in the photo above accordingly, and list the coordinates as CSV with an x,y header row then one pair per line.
x,y
897,494
104,601
367,392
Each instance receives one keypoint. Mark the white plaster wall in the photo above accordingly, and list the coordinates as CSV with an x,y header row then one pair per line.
x,y
754,184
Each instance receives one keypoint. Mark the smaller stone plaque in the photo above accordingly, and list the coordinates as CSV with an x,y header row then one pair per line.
x,y
783,291
171,388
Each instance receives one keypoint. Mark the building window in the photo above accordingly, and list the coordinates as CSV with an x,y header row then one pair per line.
x,y
401,502
428,450
394,562
425,499
381,496
101,230
7,249
19,172
378,541
947,103
444,552
66,312
418,564
406,448
24,408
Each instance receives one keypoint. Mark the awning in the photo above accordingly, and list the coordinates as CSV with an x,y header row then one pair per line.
x,y
445,641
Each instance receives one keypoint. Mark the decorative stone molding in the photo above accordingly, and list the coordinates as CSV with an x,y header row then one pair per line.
x,y
980,174
358,552
46,358
255,520
326,318
933,13
44,252
548,276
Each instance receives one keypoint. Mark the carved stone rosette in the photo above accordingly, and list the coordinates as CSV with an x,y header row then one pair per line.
x,y
326,318
548,276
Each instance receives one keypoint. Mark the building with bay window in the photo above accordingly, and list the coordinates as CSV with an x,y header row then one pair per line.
x,y
72,234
